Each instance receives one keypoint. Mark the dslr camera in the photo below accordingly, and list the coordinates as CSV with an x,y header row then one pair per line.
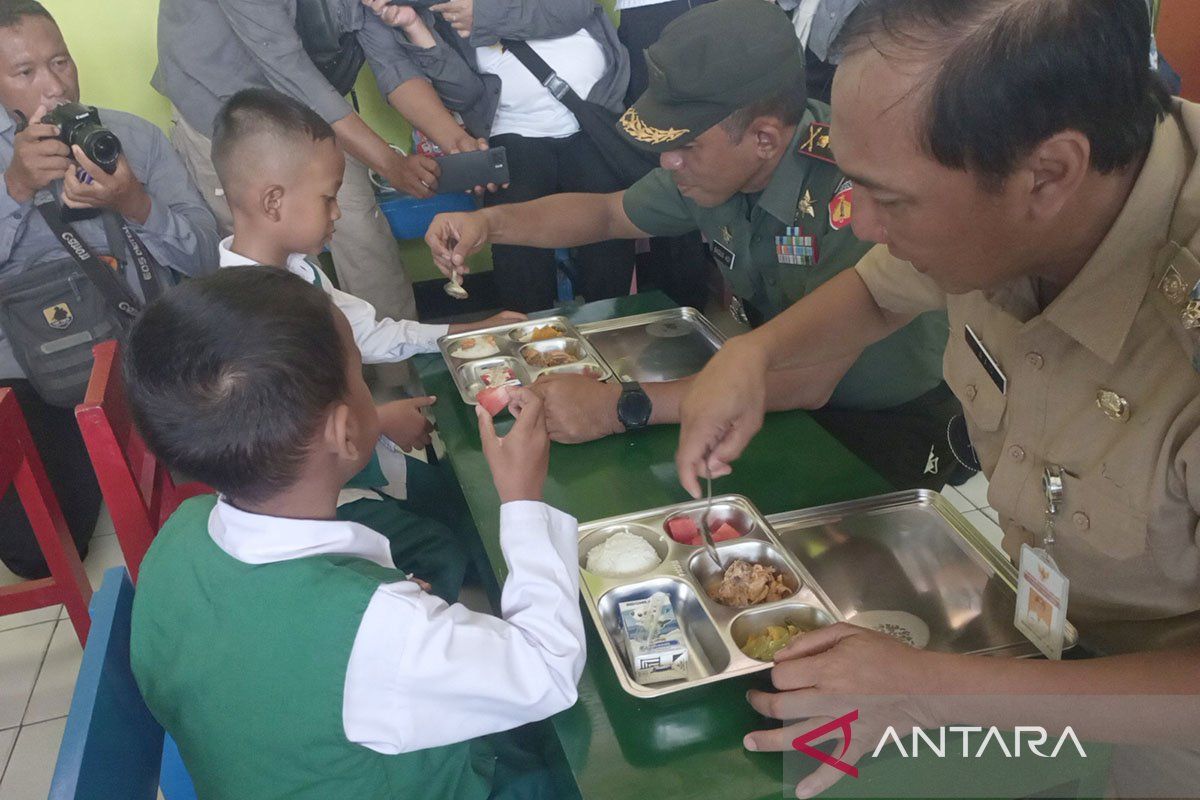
x,y
80,125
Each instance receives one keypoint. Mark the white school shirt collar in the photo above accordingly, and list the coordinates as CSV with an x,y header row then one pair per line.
x,y
297,262
261,539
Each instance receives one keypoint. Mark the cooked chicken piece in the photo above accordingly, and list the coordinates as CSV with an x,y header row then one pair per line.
x,y
745,584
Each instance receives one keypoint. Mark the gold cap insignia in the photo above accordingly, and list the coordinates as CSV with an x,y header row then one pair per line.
x,y
642,132
1113,405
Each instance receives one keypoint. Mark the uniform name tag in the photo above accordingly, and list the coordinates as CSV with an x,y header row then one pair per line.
x,y
985,359
1041,601
723,255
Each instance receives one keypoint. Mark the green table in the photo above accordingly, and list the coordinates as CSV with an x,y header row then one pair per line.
x,y
686,745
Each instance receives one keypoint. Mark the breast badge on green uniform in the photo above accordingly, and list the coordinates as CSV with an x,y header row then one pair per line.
x,y
840,205
805,208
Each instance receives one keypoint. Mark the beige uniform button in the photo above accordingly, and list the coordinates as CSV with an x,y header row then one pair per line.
x,y
1081,520
1034,360
1017,453
971,391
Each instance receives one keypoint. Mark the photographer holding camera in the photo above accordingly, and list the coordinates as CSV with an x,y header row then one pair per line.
x,y
107,185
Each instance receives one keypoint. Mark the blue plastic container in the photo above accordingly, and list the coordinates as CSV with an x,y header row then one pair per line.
x,y
410,216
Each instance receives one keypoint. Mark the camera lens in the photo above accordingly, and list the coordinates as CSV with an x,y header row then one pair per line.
x,y
103,147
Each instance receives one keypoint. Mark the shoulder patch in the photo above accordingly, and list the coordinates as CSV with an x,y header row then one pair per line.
x,y
815,142
841,204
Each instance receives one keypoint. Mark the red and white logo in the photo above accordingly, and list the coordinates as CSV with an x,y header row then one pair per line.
x,y
801,743
840,206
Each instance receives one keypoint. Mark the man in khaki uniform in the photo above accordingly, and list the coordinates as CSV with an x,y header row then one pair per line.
x,y
1102,383
1021,169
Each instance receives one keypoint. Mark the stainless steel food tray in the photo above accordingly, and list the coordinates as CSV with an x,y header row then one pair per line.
x,y
911,553
509,353
659,346
711,630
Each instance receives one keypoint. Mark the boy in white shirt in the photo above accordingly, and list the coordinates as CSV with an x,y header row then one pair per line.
x,y
281,647
280,168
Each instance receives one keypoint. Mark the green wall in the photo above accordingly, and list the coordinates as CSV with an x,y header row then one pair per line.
x,y
113,41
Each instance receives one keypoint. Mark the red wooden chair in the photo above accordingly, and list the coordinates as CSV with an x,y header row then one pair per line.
x,y
138,490
21,466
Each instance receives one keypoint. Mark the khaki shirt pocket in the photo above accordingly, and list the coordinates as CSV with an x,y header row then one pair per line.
x,y
1100,518
982,401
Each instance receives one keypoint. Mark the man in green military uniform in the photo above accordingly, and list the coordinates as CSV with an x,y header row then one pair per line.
x,y
745,158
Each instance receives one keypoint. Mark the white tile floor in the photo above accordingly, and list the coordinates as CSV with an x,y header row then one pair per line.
x,y
39,660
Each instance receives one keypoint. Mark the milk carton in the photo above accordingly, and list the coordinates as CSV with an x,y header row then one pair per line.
x,y
653,642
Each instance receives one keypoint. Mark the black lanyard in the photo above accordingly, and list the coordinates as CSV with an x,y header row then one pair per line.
x,y
146,266
114,290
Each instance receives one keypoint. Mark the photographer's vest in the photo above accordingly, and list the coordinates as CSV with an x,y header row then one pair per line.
x,y
245,666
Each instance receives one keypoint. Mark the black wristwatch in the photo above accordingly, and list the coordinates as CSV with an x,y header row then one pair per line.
x,y
633,406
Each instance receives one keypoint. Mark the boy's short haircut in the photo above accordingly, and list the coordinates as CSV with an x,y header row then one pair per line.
x,y
12,12
230,375
253,113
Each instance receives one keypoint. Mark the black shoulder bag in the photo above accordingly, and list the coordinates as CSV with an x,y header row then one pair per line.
x,y
54,311
628,162
337,55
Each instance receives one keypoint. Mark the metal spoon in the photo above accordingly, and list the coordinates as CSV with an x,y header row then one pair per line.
x,y
709,545
454,287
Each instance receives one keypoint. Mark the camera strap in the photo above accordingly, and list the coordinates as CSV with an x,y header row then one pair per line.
x,y
114,290
146,266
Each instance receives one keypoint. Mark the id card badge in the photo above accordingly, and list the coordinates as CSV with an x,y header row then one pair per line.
x,y
1041,601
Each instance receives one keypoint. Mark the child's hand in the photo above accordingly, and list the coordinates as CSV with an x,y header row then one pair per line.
x,y
503,318
520,460
403,423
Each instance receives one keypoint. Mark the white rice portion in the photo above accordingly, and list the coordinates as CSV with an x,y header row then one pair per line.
x,y
622,554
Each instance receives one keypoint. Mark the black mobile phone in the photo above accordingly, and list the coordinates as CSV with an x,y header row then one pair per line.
x,y
462,172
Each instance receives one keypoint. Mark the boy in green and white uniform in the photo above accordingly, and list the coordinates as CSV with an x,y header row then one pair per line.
x,y
280,167
282,647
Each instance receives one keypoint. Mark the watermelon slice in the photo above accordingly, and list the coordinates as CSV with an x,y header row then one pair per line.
x,y
494,399
725,533
683,530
